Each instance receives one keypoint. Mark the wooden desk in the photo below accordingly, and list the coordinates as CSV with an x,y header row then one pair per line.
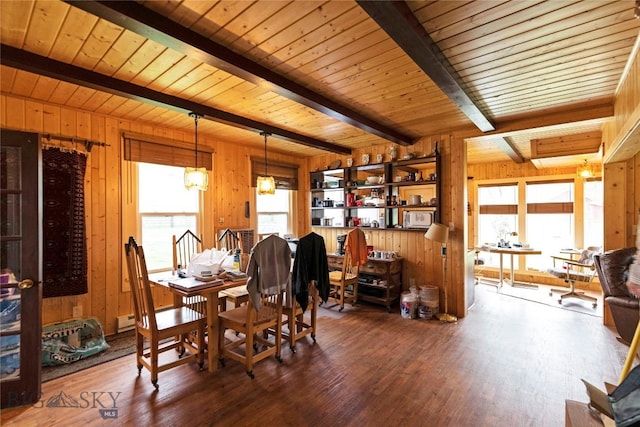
x,y
511,252
211,295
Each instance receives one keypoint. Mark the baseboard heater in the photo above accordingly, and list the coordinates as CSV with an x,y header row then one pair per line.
x,y
126,323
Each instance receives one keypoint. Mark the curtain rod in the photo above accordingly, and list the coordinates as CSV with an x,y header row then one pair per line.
x,y
87,143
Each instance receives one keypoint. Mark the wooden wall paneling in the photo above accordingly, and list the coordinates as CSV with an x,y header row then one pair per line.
x,y
3,111
16,114
51,119
233,184
107,130
99,233
615,205
34,116
455,176
628,96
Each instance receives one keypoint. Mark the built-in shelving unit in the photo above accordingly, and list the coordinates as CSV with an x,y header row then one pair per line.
x,y
402,194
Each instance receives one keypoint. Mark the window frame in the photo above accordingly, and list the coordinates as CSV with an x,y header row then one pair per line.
x,y
577,205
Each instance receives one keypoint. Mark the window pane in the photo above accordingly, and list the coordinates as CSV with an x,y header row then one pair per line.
x,y
165,208
157,232
492,228
550,192
161,189
273,223
549,233
273,212
499,195
278,202
593,216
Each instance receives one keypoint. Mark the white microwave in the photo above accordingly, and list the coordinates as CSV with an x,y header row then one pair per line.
x,y
417,219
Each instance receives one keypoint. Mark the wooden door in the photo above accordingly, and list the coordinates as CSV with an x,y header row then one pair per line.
x,y
20,261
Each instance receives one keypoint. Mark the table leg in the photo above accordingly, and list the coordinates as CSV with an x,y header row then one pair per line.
x,y
520,285
501,272
212,331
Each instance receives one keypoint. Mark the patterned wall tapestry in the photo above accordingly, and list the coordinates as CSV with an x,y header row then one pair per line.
x,y
64,244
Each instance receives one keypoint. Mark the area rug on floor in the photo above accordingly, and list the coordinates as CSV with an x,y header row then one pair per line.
x,y
541,295
120,345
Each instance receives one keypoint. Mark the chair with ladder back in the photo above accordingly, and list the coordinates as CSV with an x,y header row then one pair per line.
x,y
164,330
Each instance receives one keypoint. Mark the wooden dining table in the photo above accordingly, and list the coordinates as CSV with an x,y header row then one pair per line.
x,y
210,293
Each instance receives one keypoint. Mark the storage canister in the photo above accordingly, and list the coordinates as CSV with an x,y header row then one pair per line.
x,y
408,304
429,304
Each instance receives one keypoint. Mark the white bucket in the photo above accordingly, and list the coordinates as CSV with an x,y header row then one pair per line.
x,y
429,304
408,305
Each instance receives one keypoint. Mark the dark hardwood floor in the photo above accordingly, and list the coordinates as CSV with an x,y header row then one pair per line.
x,y
508,363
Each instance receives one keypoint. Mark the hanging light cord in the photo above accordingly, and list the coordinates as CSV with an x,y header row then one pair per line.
x,y
196,117
265,134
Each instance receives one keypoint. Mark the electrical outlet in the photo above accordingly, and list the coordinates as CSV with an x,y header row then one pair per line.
x,y
77,311
221,220
412,282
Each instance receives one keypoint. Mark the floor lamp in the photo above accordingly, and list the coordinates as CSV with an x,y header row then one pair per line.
x,y
440,233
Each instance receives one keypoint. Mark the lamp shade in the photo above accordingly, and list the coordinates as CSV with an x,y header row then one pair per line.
x,y
266,185
196,178
438,233
585,170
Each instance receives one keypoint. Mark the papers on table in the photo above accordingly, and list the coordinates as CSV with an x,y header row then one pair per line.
x,y
190,284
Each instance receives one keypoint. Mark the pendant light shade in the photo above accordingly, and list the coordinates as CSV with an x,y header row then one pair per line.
x,y
266,184
195,177
585,170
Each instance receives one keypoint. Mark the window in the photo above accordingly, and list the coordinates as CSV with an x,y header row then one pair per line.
x,y
593,214
560,213
498,217
165,208
550,220
273,212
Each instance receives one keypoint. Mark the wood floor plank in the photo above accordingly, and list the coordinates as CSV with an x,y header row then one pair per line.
x,y
508,363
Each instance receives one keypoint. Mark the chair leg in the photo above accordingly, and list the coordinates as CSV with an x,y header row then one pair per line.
x,y
249,354
153,355
575,294
139,351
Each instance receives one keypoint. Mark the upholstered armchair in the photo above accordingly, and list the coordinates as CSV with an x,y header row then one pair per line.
x,y
613,270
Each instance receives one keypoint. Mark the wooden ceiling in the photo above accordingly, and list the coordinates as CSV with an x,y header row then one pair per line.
x,y
329,75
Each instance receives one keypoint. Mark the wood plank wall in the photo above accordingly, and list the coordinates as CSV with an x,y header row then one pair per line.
x,y
622,178
422,259
230,187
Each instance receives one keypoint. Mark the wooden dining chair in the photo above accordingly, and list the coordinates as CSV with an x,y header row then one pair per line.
x,y
184,247
172,327
252,327
230,240
301,323
343,284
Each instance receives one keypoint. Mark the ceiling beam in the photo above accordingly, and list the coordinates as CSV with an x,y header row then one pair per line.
x,y
523,124
510,149
147,23
397,20
41,65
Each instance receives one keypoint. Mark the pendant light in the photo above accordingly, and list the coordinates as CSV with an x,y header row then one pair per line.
x,y
195,177
266,184
585,170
